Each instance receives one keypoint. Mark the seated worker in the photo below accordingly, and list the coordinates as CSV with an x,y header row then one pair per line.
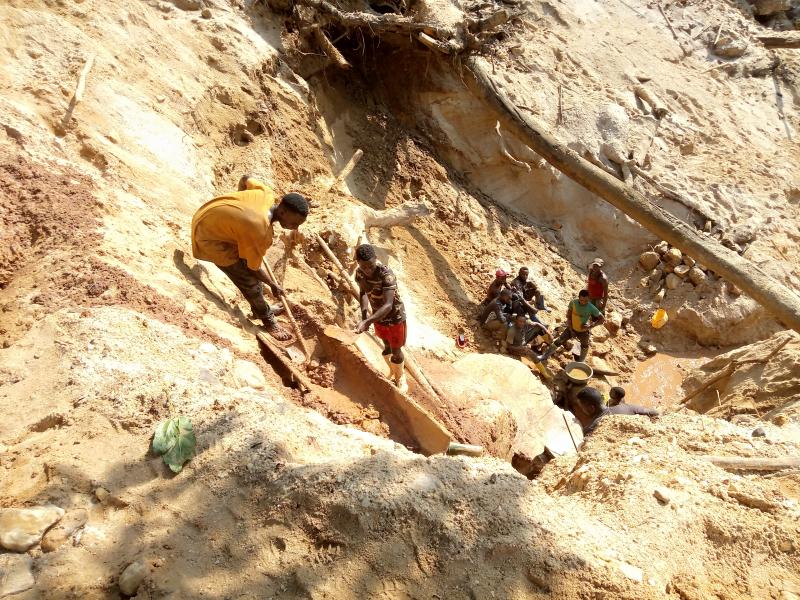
x,y
532,295
592,409
582,317
522,334
521,279
616,395
234,232
597,285
500,282
497,313
520,306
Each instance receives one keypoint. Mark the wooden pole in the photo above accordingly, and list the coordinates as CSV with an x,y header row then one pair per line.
x,y
739,463
775,297
302,380
288,309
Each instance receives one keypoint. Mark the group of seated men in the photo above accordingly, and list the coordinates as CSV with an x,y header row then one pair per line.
x,y
509,314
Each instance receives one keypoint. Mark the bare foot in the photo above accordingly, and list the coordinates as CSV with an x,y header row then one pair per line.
x,y
277,332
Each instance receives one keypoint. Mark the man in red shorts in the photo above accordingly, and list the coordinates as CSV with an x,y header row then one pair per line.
x,y
378,291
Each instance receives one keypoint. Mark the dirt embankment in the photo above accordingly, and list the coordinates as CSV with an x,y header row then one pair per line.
x,y
107,332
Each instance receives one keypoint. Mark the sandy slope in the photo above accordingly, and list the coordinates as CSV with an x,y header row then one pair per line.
x,y
106,332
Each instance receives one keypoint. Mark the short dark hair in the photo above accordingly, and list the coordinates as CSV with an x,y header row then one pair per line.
x,y
583,294
521,269
617,393
592,397
365,252
296,203
505,292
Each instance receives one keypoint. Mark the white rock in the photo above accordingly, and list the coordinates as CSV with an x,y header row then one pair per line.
x,y
661,247
63,530
649,260
22,528
681,270
15,574
247,374
672,281
631,572
132,577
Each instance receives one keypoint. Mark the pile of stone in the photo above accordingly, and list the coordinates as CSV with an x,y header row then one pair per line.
x,y
668,268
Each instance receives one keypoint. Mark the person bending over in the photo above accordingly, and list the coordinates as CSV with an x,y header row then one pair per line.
x,y
234,232
377,287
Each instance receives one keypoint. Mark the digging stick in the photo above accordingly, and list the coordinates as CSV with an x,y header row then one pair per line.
x,y
302,380
288,309
569,431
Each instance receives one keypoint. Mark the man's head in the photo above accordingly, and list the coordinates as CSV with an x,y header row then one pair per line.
x,y
505,295
583,297
292,211
500,274
616,393
591,401
520,320
367,259
596,267
523,273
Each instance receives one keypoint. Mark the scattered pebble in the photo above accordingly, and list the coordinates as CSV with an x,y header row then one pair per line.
x,y
759,432
132,577
663,495
15,574
631,572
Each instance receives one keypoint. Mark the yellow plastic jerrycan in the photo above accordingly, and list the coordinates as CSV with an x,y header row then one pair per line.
x,y
659,318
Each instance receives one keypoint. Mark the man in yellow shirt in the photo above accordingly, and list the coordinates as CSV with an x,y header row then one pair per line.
x,y
234,232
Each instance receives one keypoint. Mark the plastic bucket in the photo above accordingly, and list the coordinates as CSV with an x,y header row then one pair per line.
x,y
659,318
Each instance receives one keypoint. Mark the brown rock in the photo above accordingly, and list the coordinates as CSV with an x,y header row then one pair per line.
x,y
673,257
60,534
770,7
696,276
661,247
688,261
649,260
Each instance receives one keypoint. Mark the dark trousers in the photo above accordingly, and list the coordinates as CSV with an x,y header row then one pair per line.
x,y
252,289
568,333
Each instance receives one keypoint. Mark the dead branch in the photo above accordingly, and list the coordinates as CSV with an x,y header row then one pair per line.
x,y
788,39
328,48
400,215
742,463
658,108
348,168
507,154
672,29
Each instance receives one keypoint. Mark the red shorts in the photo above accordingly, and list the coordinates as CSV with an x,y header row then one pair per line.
x,y
394,335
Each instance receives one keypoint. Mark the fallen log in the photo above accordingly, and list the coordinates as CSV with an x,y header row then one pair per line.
x,y
328,48
348,168
776,298
781,40
739,463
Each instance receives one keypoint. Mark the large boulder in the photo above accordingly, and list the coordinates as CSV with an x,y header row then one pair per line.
x,y
23,528
503,406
